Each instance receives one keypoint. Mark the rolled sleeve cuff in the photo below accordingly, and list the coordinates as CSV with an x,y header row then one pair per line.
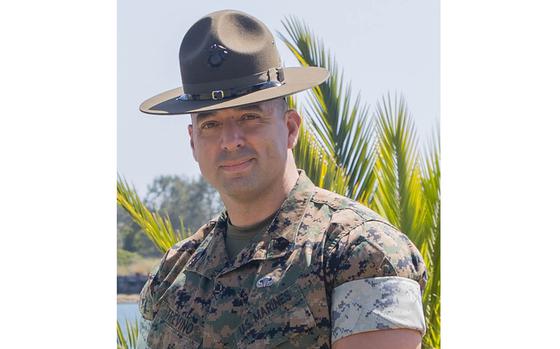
x,y
379,303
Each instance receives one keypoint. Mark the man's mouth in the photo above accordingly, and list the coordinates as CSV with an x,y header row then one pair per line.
x,y
236,165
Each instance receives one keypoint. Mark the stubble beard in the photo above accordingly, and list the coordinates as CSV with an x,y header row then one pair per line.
x,y
243,188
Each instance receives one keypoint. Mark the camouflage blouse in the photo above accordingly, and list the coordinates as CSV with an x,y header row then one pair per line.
x,y
327,268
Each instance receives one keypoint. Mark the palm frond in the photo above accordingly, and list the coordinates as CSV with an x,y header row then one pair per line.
x,y
318,164
341,124
159,229
409,196
128,341
399,194
432,242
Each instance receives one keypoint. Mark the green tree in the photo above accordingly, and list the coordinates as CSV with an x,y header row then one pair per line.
x,y
190,200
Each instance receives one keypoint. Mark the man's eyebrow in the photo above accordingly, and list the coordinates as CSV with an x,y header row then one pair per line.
x,y
206,114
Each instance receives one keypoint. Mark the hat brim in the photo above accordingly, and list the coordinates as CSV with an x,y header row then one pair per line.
x,y
296,79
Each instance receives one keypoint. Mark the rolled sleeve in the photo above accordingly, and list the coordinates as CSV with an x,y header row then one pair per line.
x,y
376,304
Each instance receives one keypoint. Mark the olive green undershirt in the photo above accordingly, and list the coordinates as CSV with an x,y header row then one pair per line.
x,y
238,238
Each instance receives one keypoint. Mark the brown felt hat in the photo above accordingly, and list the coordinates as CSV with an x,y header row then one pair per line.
x,y
229,59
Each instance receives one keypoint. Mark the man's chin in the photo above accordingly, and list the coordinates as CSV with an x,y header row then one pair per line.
x,y
240,187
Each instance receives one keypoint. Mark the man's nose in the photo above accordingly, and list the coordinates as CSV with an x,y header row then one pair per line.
x,y
232,136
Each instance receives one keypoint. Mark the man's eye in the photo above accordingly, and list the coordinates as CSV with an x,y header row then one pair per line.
x,y
208,125
249,117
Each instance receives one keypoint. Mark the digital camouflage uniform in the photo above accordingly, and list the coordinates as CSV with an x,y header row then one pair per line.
x,y
327,268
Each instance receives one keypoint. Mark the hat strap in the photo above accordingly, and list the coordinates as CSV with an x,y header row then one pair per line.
x,y
274,78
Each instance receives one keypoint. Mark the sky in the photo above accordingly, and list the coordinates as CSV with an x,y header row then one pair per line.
x,y
387,46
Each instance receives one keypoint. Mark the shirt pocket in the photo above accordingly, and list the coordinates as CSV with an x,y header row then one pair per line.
x,y
178,321
170,330
275,319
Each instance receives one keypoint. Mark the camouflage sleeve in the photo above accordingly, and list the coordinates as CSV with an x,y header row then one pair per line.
x,y
376,277
146,302
146,307
143,330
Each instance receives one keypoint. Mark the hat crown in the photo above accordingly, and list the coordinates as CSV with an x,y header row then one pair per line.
x,y
223,48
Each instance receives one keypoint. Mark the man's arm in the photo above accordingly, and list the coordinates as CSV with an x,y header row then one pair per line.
x,y
381,339
376,302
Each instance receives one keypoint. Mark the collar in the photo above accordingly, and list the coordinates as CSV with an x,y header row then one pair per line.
x,y
210,259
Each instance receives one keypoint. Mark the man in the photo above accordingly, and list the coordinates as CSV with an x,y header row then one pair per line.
x,y
287,264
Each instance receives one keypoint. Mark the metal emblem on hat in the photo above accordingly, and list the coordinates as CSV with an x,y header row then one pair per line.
x,y
217,55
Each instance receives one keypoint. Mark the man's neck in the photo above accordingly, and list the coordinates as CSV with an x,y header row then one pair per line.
x,y
242,214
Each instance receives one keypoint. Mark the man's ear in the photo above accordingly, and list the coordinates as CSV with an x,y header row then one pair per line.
x,y
293,121
192,142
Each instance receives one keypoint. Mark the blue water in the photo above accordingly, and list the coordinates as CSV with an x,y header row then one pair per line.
x,y
127,311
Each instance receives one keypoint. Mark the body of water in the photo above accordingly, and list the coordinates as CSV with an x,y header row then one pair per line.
x,y
127,311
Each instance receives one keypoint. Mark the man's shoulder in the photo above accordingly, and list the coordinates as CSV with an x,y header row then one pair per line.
x,y
345,212
181,251
170,265
360,243
191,243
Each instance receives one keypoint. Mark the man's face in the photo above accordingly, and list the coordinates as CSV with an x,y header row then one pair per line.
x,y
243,151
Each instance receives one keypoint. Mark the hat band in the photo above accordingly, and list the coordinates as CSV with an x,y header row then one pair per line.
x,y
275,78
232,92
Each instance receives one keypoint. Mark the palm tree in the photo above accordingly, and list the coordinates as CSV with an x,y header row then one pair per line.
x,y
371,156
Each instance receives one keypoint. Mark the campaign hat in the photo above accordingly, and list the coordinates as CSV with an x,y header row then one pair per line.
x,y
228,59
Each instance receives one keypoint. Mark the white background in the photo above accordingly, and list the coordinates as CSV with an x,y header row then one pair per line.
x,y
500,190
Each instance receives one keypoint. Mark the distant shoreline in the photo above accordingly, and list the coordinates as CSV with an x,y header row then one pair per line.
x,y
128,298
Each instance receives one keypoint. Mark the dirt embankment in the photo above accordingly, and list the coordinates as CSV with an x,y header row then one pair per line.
x,y
128,298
